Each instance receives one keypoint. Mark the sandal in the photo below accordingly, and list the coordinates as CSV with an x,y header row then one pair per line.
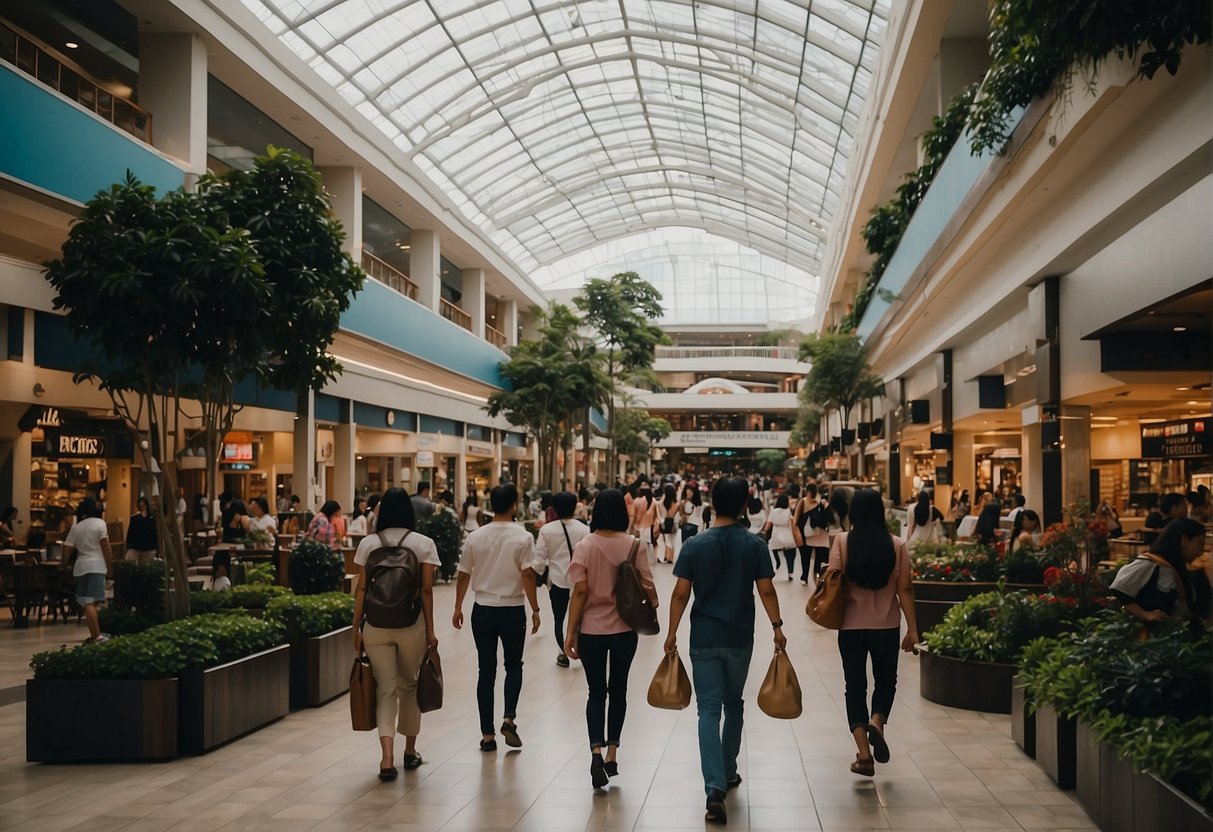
x,y
880,748
412,761
864,765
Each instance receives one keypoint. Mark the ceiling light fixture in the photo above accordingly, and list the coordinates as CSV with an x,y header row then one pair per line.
x,y
1179,329
72,45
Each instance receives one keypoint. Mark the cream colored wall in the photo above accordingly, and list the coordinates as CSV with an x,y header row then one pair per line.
x,y
1120,442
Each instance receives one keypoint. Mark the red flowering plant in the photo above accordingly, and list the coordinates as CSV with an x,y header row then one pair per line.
x,y
1078,539
948,562
1075,590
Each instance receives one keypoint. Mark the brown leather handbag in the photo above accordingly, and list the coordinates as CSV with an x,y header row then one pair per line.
x,y
829,599
779,696
671,687
362,694
429,682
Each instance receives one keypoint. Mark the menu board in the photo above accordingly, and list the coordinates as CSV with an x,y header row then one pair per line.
x,y
1176,440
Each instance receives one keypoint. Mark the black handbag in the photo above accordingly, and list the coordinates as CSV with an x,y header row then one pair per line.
x,y
667,525
631,600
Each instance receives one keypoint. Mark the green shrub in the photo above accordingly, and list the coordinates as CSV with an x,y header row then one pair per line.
x,y
995,626
242,597
315,568
260,573
116,622
316,614
164,651
443,529
139,588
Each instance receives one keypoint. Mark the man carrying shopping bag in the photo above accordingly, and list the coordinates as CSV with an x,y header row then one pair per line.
x,y
721,567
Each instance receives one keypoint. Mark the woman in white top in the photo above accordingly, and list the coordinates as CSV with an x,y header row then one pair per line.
x,y
692,512
259,517
924,522
671,522
553,551
813,519
396,653
756,514
783,534
358,518
88,544
469,513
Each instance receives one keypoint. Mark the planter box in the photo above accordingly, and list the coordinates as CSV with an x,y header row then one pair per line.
x,y
224,702
1056,746
1023,724
1086,769
1159,805
72,720
933,599
975,686
320,667
1116,812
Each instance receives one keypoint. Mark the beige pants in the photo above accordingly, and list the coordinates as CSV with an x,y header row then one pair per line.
x,y
396,656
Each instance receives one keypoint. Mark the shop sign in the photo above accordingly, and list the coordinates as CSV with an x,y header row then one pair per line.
x,y
44,416
727,439
476,449
695,450
1176,440
58,444
425,459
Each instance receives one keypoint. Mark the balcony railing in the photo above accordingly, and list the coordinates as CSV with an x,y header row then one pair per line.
x,y
388,275
454,314
785,353
494,336
71,82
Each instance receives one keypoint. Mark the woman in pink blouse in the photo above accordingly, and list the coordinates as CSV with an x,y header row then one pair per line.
x,y
596,634
322,527
879,593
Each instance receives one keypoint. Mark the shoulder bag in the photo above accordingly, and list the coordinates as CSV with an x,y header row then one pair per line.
x,y
779,697
362,694
631,601
429,682
829,599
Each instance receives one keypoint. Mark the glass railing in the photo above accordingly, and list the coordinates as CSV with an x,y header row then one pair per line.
x,y
785,353
71,81
494,336
454,314
390,276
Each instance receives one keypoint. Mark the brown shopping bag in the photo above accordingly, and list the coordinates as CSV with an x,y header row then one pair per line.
x,y
779,696
429,682
671,687
362,694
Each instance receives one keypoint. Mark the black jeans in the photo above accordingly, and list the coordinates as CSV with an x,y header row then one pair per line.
x,y
490,624
560,606
789,556
608,698
855,646
807,553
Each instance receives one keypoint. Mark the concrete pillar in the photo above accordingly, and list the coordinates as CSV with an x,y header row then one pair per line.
x,y
343,458
345,187
425,267
23,459
474,302
964,468
509,321
172,87
1075,454
460,485
303,472
962,61
1033,471
27,343
530,325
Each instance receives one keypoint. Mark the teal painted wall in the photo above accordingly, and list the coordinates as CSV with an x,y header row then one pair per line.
x,y
52,144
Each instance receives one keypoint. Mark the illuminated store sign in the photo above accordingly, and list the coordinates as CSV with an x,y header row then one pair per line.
x,y
1176,440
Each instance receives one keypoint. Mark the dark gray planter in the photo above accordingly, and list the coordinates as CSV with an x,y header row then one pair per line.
x,y
74,720
1159,805
975,686
1086,768
933,599
1056,746
320,667
225,702
1116,810
1023,723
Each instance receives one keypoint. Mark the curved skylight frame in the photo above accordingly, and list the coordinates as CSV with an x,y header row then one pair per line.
x,y
556,125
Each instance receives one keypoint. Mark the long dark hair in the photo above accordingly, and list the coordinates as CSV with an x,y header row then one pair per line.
x,y
922,511
838,505
694,497
870,552
395,511
987,524
1169,546
669,496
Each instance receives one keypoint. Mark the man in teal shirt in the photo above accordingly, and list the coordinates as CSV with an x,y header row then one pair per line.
x,y
721,567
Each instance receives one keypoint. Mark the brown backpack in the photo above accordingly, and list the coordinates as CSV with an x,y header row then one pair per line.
x,y
393,585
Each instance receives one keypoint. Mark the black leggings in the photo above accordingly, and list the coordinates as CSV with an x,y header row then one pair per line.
x,y
807,553
490,625
560,607
607,704
855,646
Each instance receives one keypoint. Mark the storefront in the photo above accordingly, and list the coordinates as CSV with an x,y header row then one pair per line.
x,y
480,457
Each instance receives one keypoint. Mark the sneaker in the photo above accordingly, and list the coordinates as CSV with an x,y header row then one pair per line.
x,y
562,660
510,732
733,782
101,639
612,768
598,772
715,808
488,745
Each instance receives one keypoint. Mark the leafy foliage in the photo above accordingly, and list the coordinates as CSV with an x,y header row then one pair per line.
x,y
636,431
443,528
315,614
139,588
770,460
261,573
163,651
314,568
995,626
840,377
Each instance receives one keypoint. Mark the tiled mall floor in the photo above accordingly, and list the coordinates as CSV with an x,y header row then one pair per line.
x,y
950,770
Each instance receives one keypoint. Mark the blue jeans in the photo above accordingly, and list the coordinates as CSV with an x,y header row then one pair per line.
x,y
719,674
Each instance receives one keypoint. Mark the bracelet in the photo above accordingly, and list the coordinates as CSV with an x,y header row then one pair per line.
x,y
777,625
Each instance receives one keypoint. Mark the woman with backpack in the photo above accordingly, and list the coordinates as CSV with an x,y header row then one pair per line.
x,y
394,621
813,518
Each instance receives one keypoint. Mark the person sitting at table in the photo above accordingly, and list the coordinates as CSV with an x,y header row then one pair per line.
x,y
1172,506
1198,506
1158,584
141,541
321,528
221,567
260,517
235,520
1110,518
985,531
8,525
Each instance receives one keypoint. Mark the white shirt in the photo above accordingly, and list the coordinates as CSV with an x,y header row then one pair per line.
x,y
552,550
221,584
423,547
357,525
1012,514
495,555
85,537
266,523
781,529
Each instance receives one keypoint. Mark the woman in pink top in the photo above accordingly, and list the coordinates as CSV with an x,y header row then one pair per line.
x,y
879,593
596,634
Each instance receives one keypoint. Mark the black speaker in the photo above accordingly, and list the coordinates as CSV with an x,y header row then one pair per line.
x,y
991,393
941,441
920,412
835,445
865,431
848,437
877,428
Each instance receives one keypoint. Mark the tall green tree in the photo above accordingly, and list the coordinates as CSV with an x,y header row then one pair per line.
x,y
636,431
621,311
840,377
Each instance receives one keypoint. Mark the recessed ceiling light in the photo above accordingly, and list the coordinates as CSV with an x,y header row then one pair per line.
x,y
1183,388
1179,329
72,45
1193,402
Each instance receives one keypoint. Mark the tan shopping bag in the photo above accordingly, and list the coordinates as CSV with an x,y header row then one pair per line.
x,y
671,687
779,696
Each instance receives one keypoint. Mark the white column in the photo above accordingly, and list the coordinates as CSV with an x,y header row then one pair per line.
x,y
1032,474
345,187
425,268
964,463
23,458
473,301
172,87
303,471
509,321
343,458
1076,454
530,325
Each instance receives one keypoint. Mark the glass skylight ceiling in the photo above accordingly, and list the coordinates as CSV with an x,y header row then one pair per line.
x,y
556,126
